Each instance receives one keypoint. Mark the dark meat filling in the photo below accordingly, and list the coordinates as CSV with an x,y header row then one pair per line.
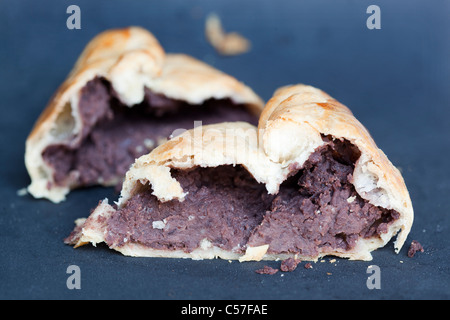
x,y
317,210
114,135
224,205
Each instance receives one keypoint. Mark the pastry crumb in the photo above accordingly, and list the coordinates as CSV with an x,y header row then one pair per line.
x,y
415,247
225,43
289,265
267,270
22,192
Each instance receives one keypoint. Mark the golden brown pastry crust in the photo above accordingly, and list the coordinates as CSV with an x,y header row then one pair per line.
x,y
290,129
130,59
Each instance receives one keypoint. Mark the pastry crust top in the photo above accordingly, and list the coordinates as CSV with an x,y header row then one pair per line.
x,y
130,59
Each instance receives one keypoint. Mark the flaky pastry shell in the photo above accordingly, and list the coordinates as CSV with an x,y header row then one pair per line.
x,y
292,125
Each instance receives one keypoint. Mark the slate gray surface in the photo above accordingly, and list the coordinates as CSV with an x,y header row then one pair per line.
x,y
395,80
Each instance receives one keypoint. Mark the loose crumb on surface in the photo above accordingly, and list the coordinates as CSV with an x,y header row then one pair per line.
x,y
308,266
415,247
225,43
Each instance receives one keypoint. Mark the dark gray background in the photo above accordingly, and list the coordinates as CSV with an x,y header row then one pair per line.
x,y
395,80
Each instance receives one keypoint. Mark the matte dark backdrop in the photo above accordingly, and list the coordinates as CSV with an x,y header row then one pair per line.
x,y
395,80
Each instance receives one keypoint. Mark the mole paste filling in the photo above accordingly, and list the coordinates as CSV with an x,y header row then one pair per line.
x,y
317,210
114,135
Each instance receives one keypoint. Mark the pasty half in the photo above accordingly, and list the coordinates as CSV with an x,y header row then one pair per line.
x,y
308,182
124,97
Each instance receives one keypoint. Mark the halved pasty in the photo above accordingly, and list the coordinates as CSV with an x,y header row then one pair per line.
x,y
308,182
123,98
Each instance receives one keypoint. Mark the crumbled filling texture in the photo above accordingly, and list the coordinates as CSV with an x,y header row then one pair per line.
x,y
114,135
316,211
